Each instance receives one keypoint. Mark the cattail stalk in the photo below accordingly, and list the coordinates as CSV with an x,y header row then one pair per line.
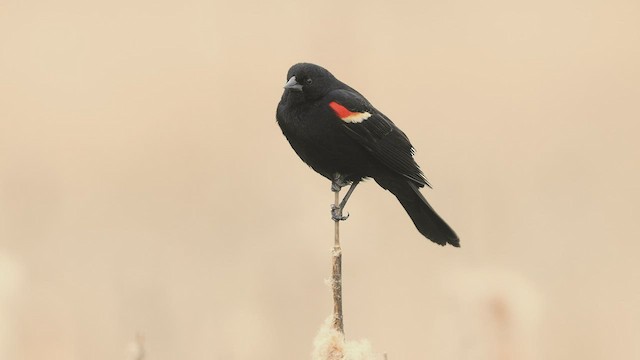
x,y
336,273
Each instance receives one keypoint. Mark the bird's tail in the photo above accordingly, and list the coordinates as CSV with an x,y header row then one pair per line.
x,y
421,213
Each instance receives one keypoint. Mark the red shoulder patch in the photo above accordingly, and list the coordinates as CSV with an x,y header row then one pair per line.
x,y
340,110
348,115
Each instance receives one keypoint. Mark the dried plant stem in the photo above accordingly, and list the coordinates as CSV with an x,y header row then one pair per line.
x,y
336,273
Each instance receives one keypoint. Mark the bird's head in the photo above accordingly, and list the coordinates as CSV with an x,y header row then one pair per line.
x,y
309,81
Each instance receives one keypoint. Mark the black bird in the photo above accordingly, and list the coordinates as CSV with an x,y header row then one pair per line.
x,y
339,134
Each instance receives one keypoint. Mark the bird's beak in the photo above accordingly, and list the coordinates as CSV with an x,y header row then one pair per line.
x,y
293,84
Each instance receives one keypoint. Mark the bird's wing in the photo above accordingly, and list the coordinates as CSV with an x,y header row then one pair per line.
x,y
376,133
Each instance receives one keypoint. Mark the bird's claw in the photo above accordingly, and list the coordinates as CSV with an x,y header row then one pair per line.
x,y
336,213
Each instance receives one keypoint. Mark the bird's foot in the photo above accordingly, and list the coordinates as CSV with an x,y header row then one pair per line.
x,y
336,213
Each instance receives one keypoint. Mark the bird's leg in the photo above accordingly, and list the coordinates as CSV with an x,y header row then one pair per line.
x,y
336,210
338,182
343,203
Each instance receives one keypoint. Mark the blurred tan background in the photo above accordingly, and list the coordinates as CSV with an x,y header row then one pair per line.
x,y
146,188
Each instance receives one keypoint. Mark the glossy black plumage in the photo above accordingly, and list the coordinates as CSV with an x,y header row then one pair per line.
x,y
335,130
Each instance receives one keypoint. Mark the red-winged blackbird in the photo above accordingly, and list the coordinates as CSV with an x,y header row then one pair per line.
x,y
339,134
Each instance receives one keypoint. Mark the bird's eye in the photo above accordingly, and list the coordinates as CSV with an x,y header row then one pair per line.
x,y
309,81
